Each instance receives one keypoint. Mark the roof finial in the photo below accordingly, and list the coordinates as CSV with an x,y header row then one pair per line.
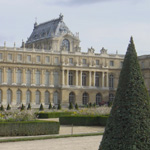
x,y
61,16
35,24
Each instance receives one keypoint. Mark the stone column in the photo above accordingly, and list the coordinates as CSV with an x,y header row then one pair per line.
x,y
23,76
103,79
94,78
43,72
107,79
76,77
51,98
51,79
62,77
4,76
33,77
89,78
14,76
80,78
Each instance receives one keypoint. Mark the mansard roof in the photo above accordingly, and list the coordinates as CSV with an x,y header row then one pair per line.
x,y
49,29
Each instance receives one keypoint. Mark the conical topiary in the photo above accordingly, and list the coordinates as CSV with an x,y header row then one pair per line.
x,y
22,107
70,106
50,106
59,107
76,106
2,108
41,107
29,107
128,127
8,107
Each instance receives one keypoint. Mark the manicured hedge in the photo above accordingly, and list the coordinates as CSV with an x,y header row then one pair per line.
x,y
27,128
53,114
83,120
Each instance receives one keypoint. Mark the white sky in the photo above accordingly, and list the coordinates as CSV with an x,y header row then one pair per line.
x,y
100,23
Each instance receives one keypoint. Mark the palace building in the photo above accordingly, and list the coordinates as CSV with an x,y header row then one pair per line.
x,y
50,67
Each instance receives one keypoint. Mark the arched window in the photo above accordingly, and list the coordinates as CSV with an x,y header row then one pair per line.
x,y
47,98
85,98
56,98
66,45
56,78
72,98
19,76
47,78
28,77
97,79
9,96
38,77
83,79
70,78
38,97
9,76
0,96
19,96
28,97
111,81
0,76
111,97
98,98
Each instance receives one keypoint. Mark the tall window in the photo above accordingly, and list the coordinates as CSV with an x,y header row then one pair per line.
x,y
98,98
1,56
97,62
19,76
70,78
97,79
71,61
0,96
38,75
111,63
19,95
38,97
9,96
0,76
56,79
47,59
47,78
38,59
19,57
72,98
111,97
66,45
47,98
9,57
28,77
85,99
83,79
56,60
28,58
55,98
28,97
9,76
111,81
84,61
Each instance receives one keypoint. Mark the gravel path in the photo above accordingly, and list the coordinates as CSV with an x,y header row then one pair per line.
x,y
75,143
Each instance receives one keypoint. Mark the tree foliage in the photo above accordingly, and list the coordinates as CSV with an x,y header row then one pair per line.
x,y
128,127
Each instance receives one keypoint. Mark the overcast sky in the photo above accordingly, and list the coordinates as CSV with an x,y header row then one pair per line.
x,y
100,23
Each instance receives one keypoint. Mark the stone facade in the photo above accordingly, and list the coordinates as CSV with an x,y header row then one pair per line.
x,y
50,67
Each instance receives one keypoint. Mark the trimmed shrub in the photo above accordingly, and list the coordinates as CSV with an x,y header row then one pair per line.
x,y
76,106
94,105
83,120
22,107
41,107
8,107
29,107
59,107
128,127
53,114
90,105
2,108
28,128
50,106
70,106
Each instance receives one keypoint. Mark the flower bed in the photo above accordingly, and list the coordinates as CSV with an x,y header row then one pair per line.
x,y
28,128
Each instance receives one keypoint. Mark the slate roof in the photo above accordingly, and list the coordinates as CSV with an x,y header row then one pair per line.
x,y
49,29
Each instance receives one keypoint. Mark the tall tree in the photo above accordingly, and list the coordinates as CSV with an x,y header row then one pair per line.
x,y
128,127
